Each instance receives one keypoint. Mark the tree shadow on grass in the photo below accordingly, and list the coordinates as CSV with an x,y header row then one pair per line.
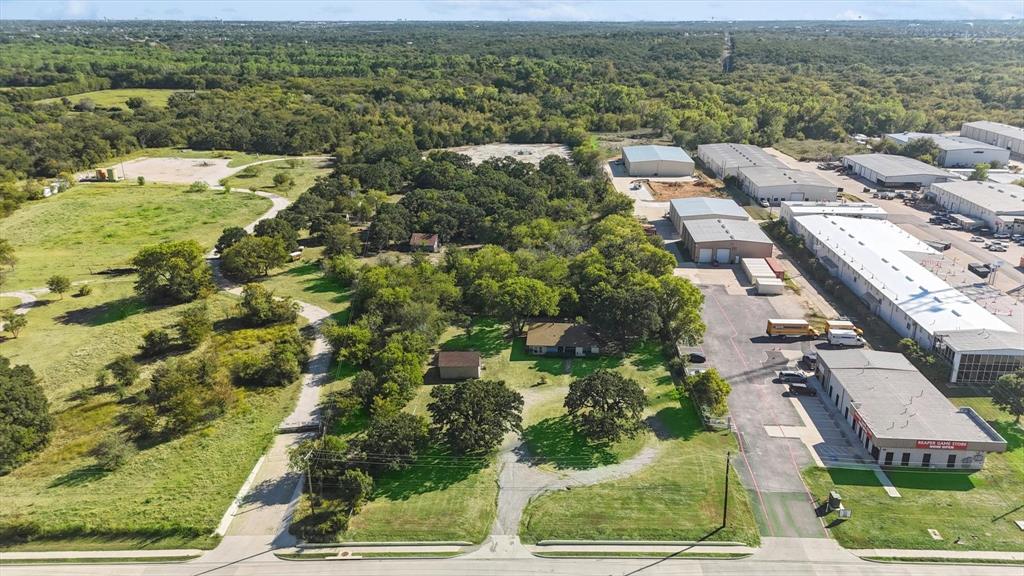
x,y
555,441
487,337
647,356
315,281
1010,432
675,423
432,472
104,313
79,477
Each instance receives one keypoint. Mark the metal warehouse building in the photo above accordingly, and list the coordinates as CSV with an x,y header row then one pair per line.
x,y
790,211
1002,135
775,185
725,159
682,209
893,170
1000,206
957,151
899,417
724,241
656,161
873,259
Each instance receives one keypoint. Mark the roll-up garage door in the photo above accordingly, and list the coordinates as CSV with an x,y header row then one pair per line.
x,y
722,255
704,255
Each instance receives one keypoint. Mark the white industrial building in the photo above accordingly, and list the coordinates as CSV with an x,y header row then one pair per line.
x,y
682,209
790,211
1000,206
957,151
873,259
775,185
981,356
668,161
1002,135
899,417
725,159
893,170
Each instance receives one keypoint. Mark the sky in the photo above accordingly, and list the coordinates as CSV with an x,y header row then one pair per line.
x,y
520,10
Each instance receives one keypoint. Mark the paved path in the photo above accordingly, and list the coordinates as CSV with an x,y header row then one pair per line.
x,y
28,301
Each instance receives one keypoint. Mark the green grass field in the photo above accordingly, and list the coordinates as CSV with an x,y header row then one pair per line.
x,y
119,96
94,227
811,150
303,280
168,496
977,508
677,497
304,174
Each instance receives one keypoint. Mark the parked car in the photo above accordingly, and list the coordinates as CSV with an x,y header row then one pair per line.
x,y
1001,236
993,247
764,204
792,376
977,239
979,269
810,359
802,390
694,358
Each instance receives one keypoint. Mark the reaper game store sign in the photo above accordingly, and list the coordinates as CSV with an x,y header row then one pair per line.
x,y
941,445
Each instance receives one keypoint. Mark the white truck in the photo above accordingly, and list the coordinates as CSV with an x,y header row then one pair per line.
x,y
844,338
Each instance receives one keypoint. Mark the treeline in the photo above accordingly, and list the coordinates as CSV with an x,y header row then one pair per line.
x,y
299,88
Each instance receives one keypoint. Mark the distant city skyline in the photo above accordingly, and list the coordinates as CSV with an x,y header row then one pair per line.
x,y
502,10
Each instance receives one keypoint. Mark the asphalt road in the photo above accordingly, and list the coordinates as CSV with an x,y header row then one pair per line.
x,y
768,466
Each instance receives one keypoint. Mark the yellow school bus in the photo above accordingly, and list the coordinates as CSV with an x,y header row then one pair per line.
x,y
842,325
789,327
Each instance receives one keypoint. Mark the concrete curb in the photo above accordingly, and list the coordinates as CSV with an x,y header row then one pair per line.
x,y
316,545
724,544
229,514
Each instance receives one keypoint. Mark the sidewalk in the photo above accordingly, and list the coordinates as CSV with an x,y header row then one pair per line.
x,y
185,553
951,554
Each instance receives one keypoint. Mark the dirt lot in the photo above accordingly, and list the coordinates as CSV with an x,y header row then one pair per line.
x,y
665,191
532,153
177,170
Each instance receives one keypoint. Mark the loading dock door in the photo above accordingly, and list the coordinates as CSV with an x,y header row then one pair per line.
x,y
796,196
704,255
722,255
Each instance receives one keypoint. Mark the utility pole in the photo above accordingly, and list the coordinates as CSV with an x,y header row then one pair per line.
x,y
309,484
725,505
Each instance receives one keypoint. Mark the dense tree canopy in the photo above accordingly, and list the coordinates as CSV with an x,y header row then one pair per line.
x,y
605,406
173,272
26,422
473,416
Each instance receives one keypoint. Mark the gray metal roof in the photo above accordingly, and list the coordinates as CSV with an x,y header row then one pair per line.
x,y
729,155
764,176
999,198
703,207
944,142
997,128
652,152
984,341
714,230
898,402
891,165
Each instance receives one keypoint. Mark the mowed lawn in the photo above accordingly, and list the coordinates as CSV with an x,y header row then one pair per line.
x,y
979,509
304,175
167,496
679,496
119,96
94,227
304,280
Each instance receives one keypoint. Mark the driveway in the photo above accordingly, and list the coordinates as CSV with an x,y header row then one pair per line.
x,y
770,465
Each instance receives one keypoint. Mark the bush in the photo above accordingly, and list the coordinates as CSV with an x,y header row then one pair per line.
x,y
156,342
84,290
194,325
343,269
355,487
198,186
113,452
141,420
259,307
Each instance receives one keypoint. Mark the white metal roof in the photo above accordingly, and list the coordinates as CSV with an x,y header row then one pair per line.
x,y
892,165
836,208
652,152
898,402
944,142
711,230
999,198
767,176
983,340
996,127
703,206
877,250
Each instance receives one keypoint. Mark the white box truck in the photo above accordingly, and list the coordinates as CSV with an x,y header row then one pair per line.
x,y
844,338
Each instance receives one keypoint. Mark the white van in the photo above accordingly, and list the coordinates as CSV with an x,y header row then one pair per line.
x,y
844,338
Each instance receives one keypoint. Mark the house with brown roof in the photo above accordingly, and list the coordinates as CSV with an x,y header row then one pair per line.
x,y
561,339
458,364
421,241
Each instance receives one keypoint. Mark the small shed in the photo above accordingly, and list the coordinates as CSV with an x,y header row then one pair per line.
x,y
776,267
421,241
458,364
